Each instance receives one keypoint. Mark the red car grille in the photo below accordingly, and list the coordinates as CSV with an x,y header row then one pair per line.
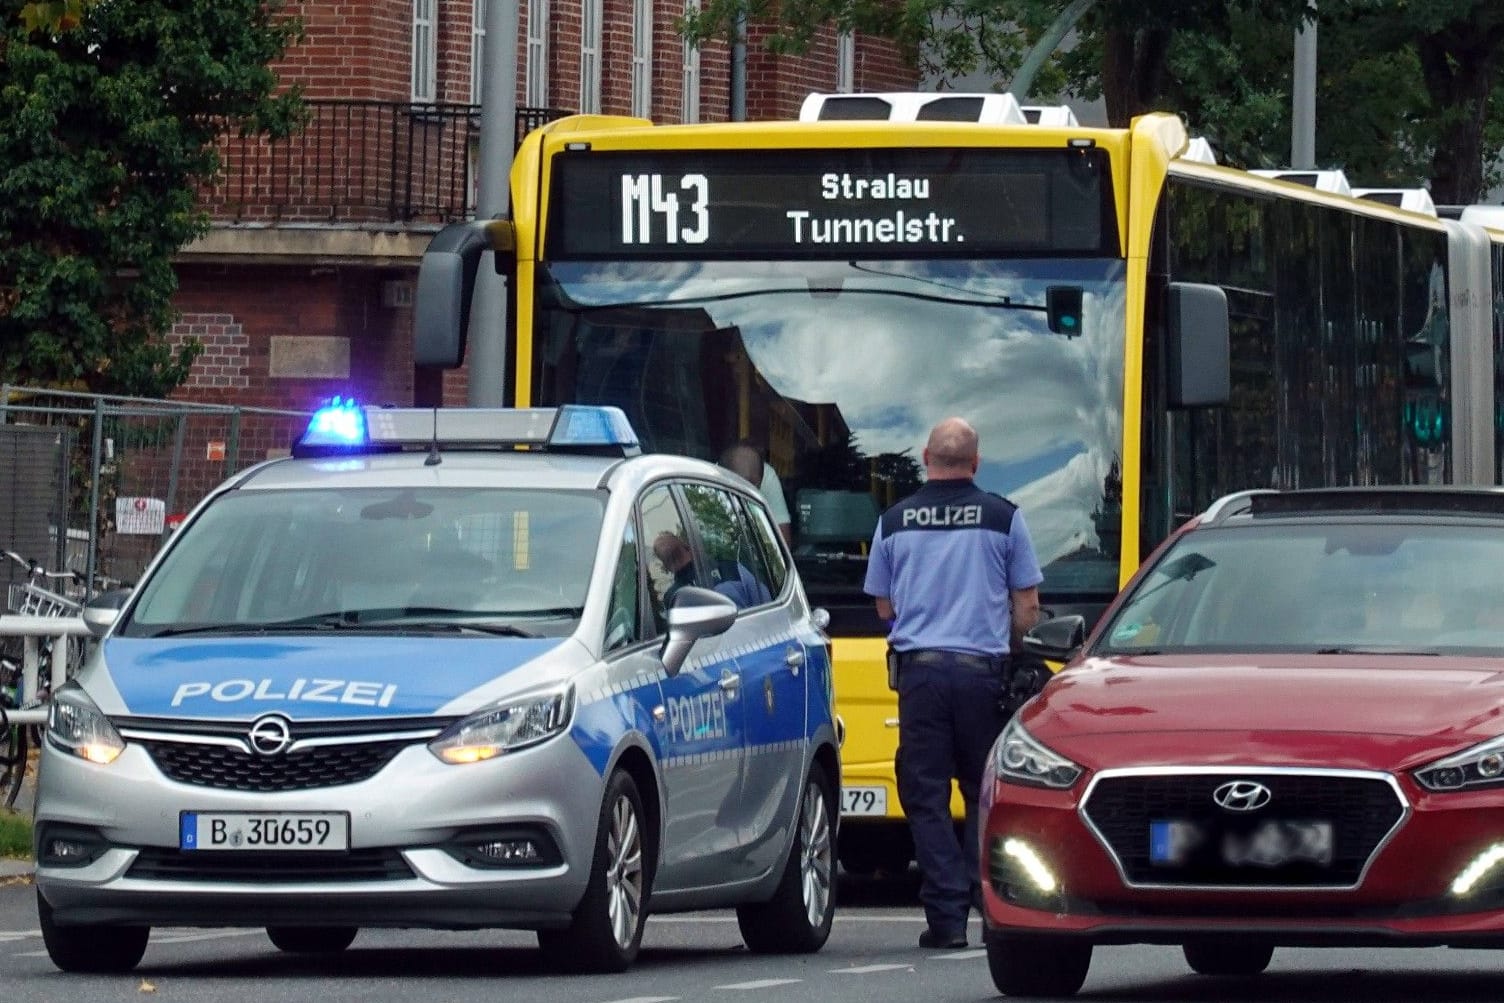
x,y
1352,814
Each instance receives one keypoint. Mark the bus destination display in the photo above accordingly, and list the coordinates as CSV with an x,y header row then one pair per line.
x,y
819,203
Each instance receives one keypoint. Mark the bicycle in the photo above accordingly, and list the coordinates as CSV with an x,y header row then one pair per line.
x,y
33,597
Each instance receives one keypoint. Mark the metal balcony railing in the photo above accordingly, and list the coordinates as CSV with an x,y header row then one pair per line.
x,y
360,162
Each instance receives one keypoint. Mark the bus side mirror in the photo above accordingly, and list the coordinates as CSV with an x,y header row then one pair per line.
x,y
446,283
1198,366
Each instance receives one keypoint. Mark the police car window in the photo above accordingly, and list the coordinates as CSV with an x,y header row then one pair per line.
x,y
766,538
372,556
672,565
731,565
622,619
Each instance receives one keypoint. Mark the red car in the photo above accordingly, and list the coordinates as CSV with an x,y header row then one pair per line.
x,y
1287,730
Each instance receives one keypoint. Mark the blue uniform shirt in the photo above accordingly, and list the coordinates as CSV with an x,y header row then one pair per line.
x,y
947,557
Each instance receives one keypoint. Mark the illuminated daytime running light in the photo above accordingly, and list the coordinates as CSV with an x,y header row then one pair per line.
x,y
1030,861
1475,871
340,423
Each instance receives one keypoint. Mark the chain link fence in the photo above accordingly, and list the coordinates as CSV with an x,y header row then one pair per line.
x,y
95,484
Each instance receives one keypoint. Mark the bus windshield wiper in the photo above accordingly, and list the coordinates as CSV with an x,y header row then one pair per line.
x,y
1002,303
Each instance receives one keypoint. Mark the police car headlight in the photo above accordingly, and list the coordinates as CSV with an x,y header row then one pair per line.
x,y
1480,766
1018,757
505,727
76,726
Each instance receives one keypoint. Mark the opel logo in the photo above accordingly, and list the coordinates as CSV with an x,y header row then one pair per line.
x,y
1242,795
271,735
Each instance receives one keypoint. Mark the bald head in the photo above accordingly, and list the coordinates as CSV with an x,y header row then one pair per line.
x,y
951,450
743,460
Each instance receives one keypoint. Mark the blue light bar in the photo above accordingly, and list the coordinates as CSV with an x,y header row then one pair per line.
x,y
339,426
582,425
344,428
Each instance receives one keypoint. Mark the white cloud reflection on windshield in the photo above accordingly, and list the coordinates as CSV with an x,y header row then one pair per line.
x,y
1048,408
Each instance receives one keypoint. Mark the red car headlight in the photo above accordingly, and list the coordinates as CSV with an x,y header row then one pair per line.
x,y
1020,758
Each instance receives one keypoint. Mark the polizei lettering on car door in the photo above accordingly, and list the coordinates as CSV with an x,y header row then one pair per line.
x,y
340,691
941,516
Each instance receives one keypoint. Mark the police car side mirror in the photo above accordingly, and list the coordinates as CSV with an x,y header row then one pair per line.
x,y
1057,640
101,612
696,613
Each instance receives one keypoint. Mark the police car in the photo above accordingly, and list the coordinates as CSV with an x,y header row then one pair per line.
x,y
422,673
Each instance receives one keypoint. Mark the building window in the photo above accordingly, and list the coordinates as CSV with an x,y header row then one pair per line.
x,y
845,62
477,50
537,53
425,51
590,55
691,86
642,58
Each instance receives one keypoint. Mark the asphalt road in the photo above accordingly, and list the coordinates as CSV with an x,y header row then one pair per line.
x,y
871,957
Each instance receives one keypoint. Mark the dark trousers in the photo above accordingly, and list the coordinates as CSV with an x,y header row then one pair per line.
x,y
948,718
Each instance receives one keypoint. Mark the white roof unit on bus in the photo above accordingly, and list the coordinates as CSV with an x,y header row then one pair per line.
x,y
1413,199
1489,216
1199,150
913,106
1052,114
1323,181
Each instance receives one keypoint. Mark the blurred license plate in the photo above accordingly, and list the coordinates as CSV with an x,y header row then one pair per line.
x,y
864,800
1267,844
264,830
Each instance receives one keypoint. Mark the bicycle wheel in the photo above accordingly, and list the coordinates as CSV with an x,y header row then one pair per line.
x,y
12,764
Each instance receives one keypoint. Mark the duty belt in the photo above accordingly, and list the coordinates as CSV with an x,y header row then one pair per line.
x,y
938,656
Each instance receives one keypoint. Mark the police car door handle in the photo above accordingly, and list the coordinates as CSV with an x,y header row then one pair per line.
x,y
794,659
730,681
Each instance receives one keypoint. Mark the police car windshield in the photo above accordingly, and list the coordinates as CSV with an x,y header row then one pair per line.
x,y
499,561
837,370
1379,586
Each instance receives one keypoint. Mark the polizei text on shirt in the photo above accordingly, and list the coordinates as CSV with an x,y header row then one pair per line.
x,y
867,215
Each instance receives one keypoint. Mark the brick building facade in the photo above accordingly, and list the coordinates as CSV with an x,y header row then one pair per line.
x,y
302,289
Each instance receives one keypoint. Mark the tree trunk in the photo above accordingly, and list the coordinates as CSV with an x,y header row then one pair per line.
x,y
1133,72
1459,78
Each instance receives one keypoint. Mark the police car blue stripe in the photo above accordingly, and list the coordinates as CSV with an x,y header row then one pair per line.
x,y
308,677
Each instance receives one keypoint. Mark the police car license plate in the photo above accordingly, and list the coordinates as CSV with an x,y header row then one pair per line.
x,y
864,800
263,830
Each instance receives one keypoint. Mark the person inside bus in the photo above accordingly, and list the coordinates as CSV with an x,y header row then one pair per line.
x,y
745,460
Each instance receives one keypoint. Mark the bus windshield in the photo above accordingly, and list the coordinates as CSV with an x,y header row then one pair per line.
x,y
836,370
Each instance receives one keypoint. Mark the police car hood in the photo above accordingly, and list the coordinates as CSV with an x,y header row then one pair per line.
x,y
307,678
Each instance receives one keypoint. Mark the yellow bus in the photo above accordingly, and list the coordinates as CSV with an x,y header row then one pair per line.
x,y
1133,330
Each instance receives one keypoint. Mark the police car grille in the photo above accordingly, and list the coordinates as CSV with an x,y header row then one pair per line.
x,y
205,765
1361,810
161,864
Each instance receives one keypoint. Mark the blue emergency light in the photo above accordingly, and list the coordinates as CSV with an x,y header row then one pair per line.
x,y
343,428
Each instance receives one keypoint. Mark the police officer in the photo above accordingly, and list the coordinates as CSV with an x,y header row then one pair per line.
x,y
953,569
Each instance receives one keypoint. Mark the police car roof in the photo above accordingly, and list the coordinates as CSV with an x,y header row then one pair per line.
x,y
501,468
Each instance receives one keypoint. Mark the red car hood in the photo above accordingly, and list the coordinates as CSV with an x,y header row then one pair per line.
x,y
1374,711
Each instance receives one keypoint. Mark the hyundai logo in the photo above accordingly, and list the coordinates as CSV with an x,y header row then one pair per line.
x,y
1242,795
271,735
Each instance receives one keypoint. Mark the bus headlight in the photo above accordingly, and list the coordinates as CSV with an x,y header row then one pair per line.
x,y
506,727
1020,758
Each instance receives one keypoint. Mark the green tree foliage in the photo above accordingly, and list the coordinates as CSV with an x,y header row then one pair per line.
x,y
108,113
1407,91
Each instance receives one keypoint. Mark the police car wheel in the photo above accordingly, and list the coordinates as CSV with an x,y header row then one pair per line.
x,y
1228,958
94,949
606,930
1037,966
796,920
312,939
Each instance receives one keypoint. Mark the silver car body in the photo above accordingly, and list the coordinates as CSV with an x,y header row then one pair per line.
x,y
724,796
